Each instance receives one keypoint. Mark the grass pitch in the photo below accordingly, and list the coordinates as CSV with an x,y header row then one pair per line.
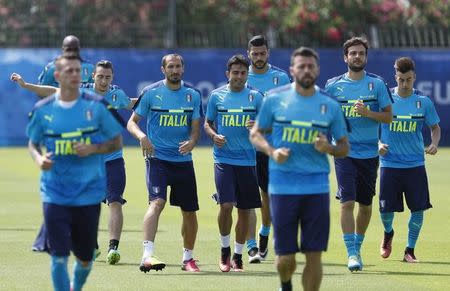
x,y
21,216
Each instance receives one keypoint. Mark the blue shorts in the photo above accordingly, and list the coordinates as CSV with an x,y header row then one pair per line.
x,y
72,228
411,181
356,179
310,212
115,181
180,176
238,185
262,170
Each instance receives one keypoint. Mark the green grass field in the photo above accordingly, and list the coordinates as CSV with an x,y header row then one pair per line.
x,y
20,217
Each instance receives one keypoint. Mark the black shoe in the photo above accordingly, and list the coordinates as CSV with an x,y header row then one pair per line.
x,y
263,241
236,263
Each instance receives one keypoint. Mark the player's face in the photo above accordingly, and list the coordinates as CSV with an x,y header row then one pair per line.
x,y
259,56
173,70
405,82
69,74
102,79
237,76
356,58
305,70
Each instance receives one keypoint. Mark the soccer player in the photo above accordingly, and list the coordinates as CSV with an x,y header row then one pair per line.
x,y
366,102
173,110
115,167
300,116
401,149
264,77
76,129
71,44
230,113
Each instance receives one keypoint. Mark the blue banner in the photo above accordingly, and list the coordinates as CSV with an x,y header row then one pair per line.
x,y
205,69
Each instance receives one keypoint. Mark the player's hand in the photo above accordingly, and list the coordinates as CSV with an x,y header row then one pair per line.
x,y
84,150
186,147
146,146
361,109
431,149
249,124
45,162
383,148
280,155
322,145
18,79
219,140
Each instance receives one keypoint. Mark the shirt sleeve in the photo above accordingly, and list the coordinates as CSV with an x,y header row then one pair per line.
x,y
122,100
285,79
265,115
338,126
197,106
211,108
142,108
384,95
46,77
431,116
34,130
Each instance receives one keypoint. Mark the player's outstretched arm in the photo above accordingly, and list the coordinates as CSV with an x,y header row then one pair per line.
x,y
132,103
384,116
383,148
339,150
43,161
435,138
84,150
218,139
40,90
133,128
188,145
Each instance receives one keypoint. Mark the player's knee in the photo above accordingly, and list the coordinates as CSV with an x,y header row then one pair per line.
x,y
348,206
157,205
227,207
285,262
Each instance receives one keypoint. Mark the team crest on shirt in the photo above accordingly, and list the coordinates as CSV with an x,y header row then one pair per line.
x,y
114,97
88,115
188,97
370,86
418,104
275,80
250,97
85,71
155,189
323,109
382,203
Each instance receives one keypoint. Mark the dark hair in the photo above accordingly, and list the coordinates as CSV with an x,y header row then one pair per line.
x,y
355,41
237,60
66,56
164,59
105,64
257,40
404,65
304,52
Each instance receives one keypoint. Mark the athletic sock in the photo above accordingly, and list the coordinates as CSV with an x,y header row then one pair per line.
x,y
80,274
148,248
225,241
349,240
264,230
113,244
414,226
251,243
60,276
387,219
359,238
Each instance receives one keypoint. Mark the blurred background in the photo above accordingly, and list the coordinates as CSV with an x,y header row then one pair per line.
x,y
134,35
